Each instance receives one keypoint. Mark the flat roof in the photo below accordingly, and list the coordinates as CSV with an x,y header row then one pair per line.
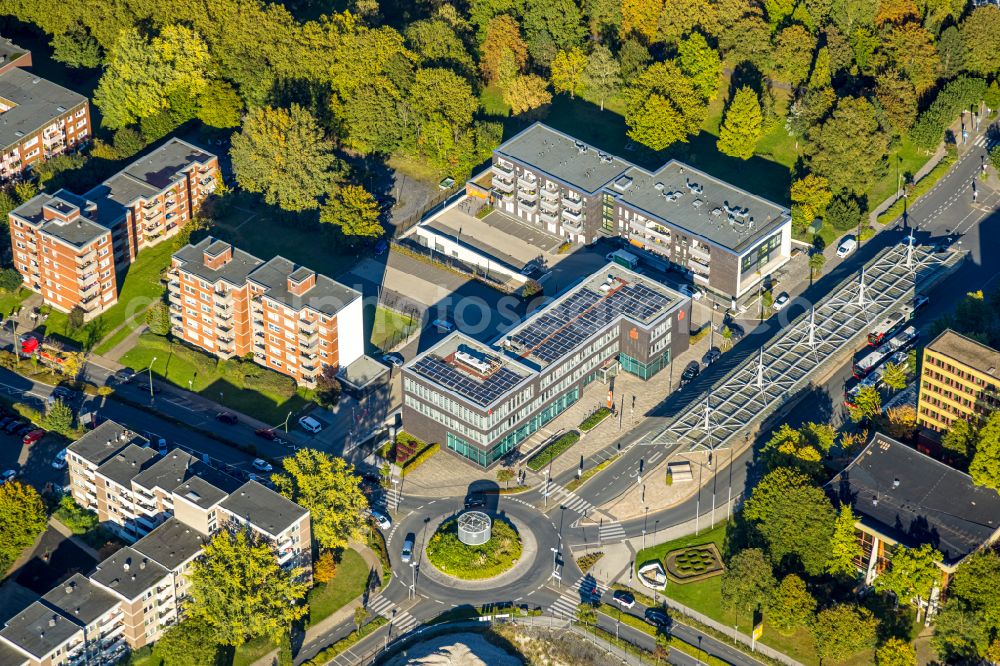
x,y
362,371
327,296
907,496
475,371
263,508
171,544
234,271
603,298
80,600
11,657
168,472
36,103
78,233
38,630
966,351
200,492
103,442
151,174
124,465
128,573
705,206
563,157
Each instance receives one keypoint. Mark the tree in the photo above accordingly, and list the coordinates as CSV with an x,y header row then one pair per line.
x,y
895,376
325,567
503,38
285,155
843,213
504,476
76,48
902,421
789,448
285,656
641,18
992,98
959,439
10,280
817,260
911,48
867,404
778,10
328,487
238,589
896,12
360,617
220,105
985,466
701,63
843,630
848,148
158,318
960,635
748,581
995,156
188,643
551,25
353,210
812,195
436,43
977,585
790,606
981,36
912,573
602,75
328,387
896,652
59,417
663,107
526,92
568,69
821,75
741,129
793,54
767,496
844,546
22,519
951,50
898,99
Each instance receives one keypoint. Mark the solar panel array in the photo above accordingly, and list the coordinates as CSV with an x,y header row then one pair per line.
x,y
563,327
482,392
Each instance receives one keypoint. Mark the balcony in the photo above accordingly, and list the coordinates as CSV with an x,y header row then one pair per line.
x,y
224,295
503,186
527,205
503,196
527,180
550,206
699,254
697,266
572,216
572,202
307,327
113,626
523,195
207,183
224,312
152,215
307,345
89,289
548,217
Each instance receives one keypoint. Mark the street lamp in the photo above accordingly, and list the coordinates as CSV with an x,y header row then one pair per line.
x,y
395,483
555,553
413,579
150,369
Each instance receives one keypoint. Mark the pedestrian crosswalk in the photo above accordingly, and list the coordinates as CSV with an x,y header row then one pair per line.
x,y
402,621
981,141
566,498
611,531
584,589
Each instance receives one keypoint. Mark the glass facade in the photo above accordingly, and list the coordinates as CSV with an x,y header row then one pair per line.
x,y
515,437
644,370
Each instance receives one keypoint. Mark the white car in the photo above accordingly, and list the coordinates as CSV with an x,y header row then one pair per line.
x,y
847,247
309,423
59,462
691,292
262,465
8,475
780,302
381,520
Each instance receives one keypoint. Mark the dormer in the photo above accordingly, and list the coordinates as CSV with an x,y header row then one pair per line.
x,y
301,280
218,254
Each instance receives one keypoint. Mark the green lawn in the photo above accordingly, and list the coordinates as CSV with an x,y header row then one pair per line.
x,y
244,655
10,301
208,376
491,102
347,584
389,327
448,554
139,289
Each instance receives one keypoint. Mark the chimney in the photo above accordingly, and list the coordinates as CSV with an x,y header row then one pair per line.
x,y
300,281
218,254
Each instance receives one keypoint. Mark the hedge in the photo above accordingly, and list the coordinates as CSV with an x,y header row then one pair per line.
x,y
553,450
419,459
330,653
376,541
920,188
591,421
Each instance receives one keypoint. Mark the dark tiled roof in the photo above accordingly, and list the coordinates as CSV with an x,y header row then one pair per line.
x,y
77,233
128,573
327,295
124,465
263,507
80,600
38,630
168,472
104,441
914,499
234,271
150,175
37,102
171,544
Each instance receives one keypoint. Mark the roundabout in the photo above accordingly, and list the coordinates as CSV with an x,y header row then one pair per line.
x,y
474,547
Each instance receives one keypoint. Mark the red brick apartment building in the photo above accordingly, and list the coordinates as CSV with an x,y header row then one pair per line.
x,y
38,119
292,319
70,248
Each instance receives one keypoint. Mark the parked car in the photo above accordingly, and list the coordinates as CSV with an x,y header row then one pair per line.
x,y
124,376
848,246
266,433
737,331
59,462
227,417
443,325
309,423
381,520
623,598
13,425
8,475
65,394
262,465
33,436
690,372
657,617
694,293
475,501
394,359
407,554
780,301
711,356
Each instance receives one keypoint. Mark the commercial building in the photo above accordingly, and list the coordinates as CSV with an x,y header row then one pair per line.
x,y
38,119
724,238
481,401
959,380
903,497
72,248
292,319
169,506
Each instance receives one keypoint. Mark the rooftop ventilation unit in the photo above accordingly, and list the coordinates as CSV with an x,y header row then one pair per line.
x,y
623,183
581,147
481,365
698,203
658,187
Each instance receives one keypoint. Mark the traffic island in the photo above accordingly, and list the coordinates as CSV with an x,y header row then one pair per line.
x,y
472,547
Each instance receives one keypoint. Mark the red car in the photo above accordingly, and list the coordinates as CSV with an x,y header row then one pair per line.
x,y
33,437
266,433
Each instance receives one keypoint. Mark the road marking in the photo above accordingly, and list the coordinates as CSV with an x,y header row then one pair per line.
x,y
611,531
567,498
402,621
584,589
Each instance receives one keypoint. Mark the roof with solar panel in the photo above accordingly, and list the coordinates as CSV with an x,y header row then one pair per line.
x,y
471,369
606,297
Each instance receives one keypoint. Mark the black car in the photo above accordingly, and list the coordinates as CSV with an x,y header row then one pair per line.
x,y
623,598
690,372
657,617
65,394
711,356
227,417
475,501
23,429
124,376
12,426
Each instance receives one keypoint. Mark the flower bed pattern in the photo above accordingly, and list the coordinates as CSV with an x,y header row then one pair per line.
x,y
695,563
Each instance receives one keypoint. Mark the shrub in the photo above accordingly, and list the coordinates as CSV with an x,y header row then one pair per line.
x,y
955,96
553,450
591,421
325,568
420,458
74,516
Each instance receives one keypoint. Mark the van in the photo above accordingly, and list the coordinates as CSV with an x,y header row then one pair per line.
x,y
310,424
847,247
407,553
443,325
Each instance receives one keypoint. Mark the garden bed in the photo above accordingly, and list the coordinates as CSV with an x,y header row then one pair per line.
x,y
454,558
688,565
553,450
595,419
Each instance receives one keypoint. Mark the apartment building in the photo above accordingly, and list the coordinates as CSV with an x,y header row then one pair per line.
x,y
724,238
42,636
72,249
958,380
38,119
481,401
97,612
292,319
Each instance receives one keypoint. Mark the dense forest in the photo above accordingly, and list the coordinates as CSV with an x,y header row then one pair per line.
x,y
848,82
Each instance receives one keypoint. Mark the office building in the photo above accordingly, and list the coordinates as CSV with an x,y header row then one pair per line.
x,y
958,380
292,319
724,238
38,119
73,248
481,401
